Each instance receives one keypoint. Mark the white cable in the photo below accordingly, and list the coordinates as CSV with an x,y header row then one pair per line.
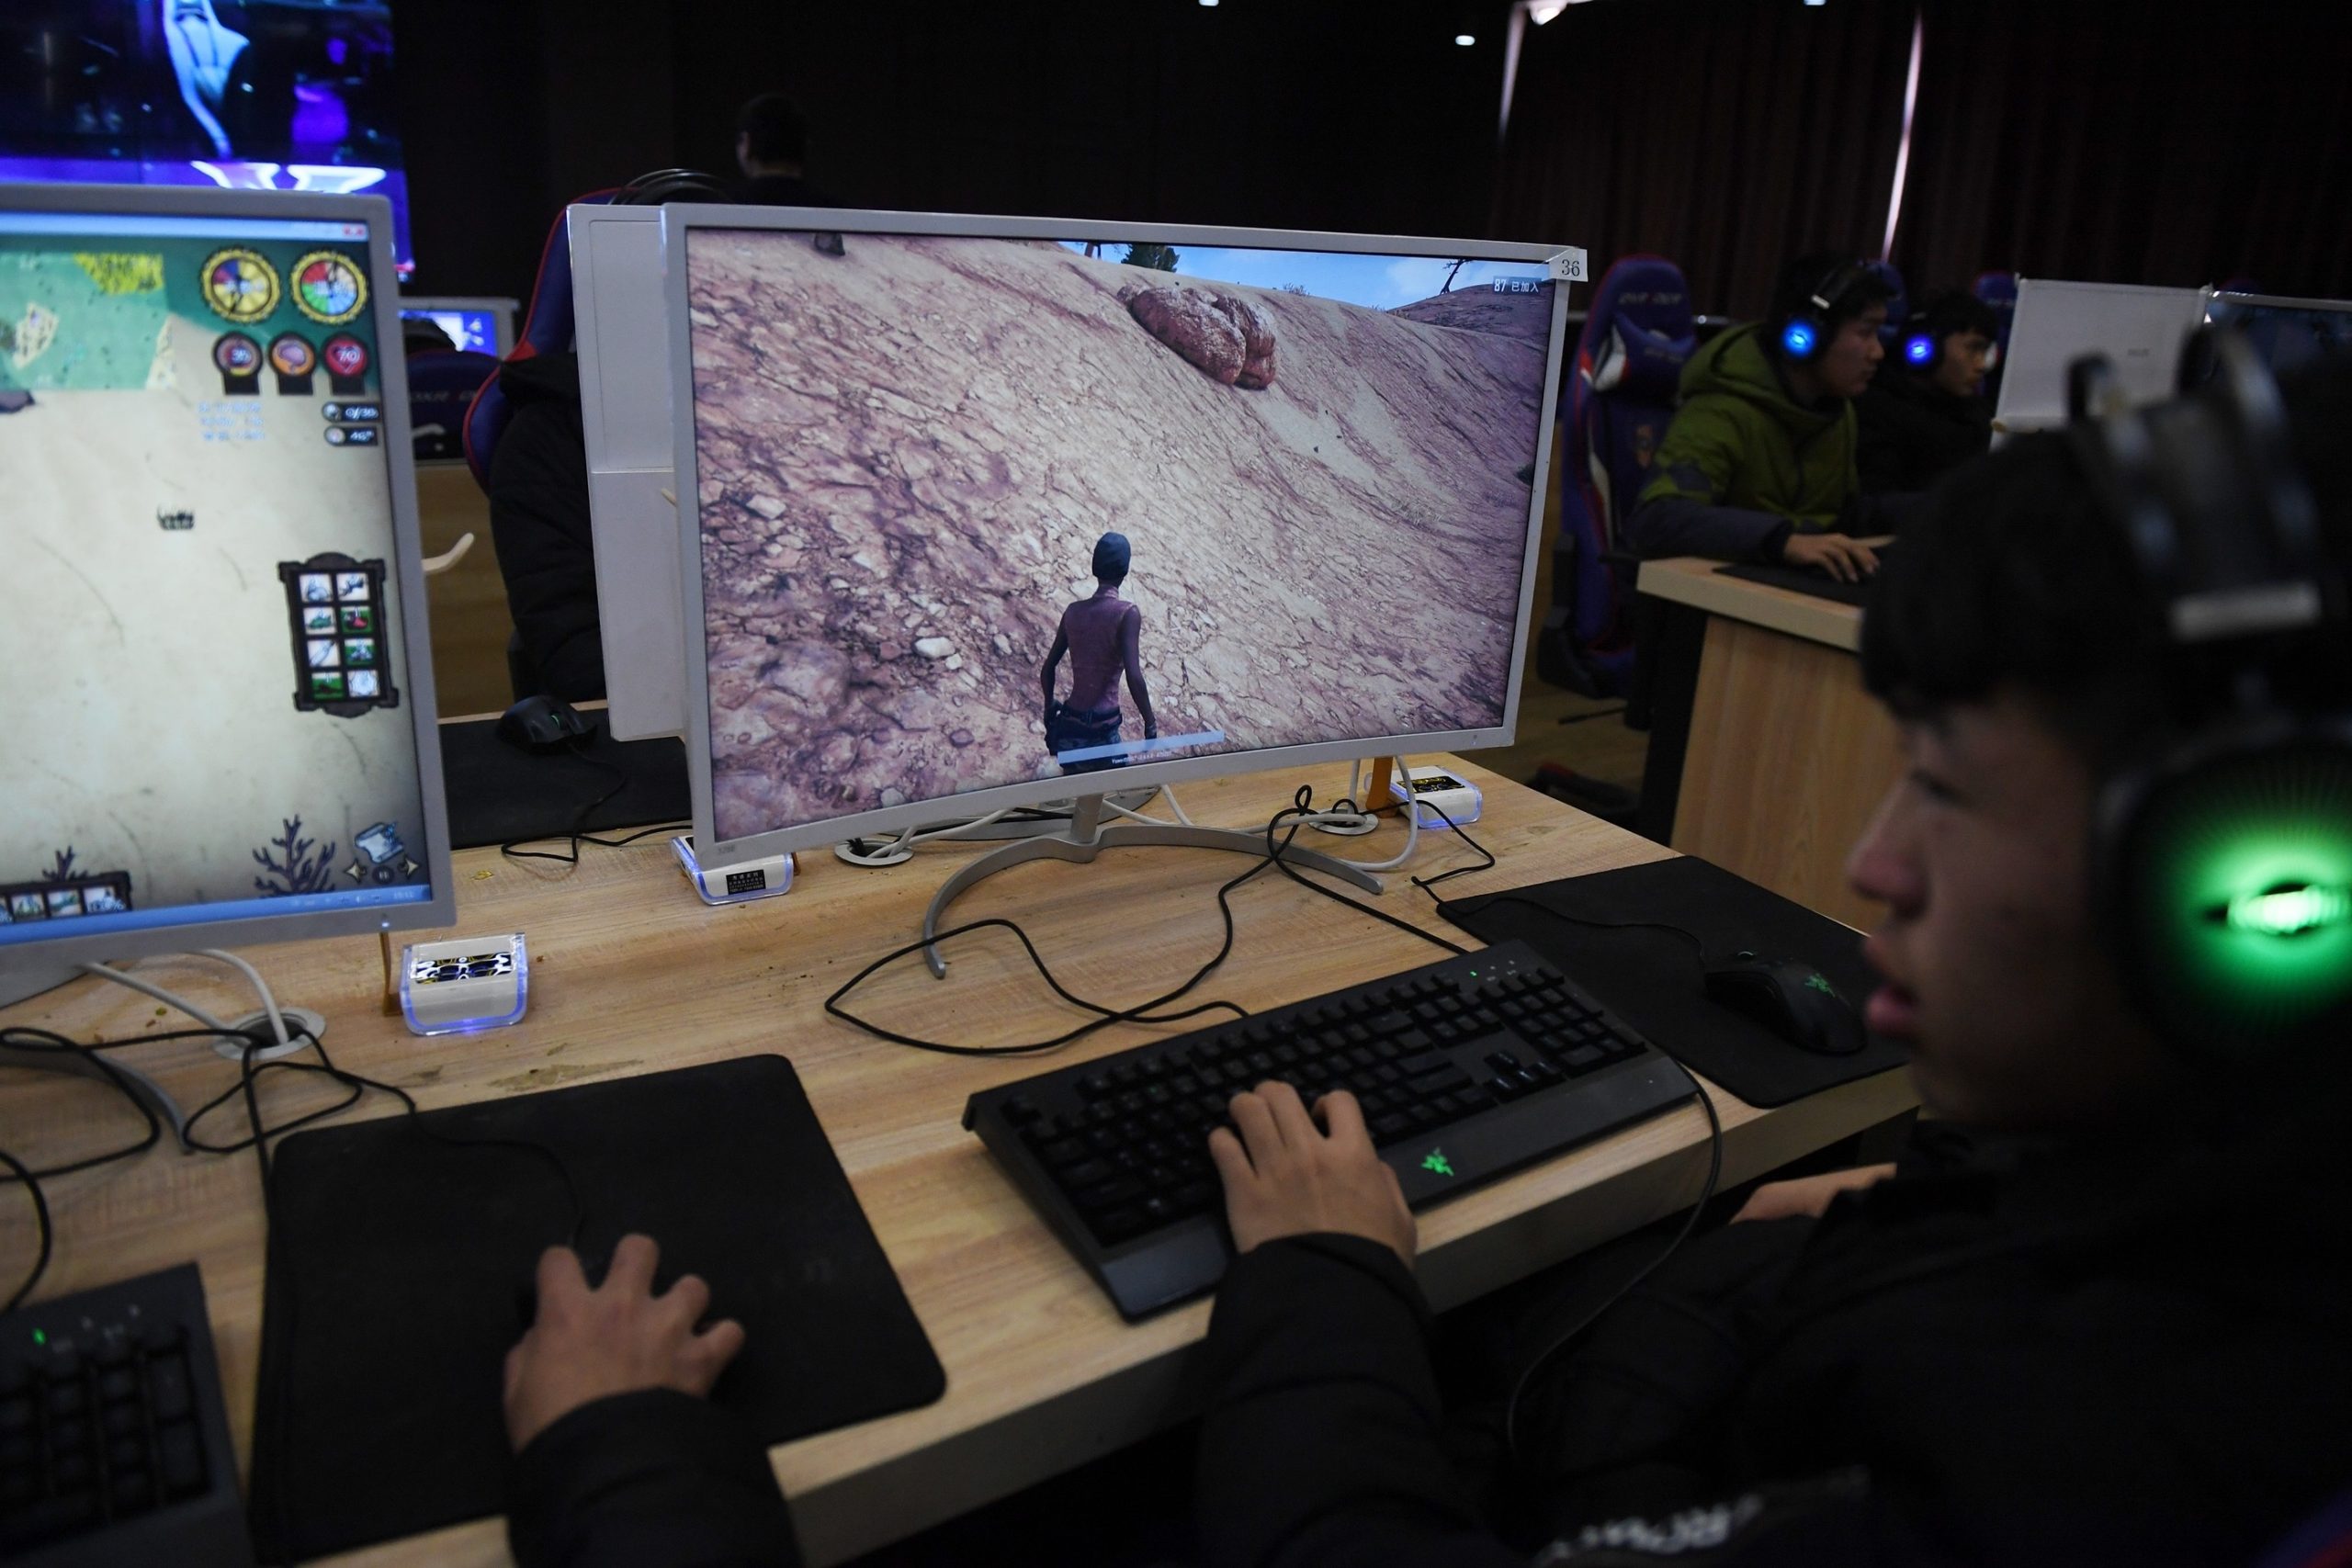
x,y
1412,829
900,850
1348,824
160,995
261,988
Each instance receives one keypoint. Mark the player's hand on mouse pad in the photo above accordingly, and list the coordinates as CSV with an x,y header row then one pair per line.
x,y
616,1338
1839,556
1284,1175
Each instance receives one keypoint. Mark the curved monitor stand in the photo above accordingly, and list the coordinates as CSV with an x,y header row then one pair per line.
x,y
1087,838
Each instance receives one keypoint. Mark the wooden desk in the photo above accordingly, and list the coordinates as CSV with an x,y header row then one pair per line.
x,y
631,973
1782,755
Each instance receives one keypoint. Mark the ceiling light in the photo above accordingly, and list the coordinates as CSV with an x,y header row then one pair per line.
x,y
1542,11
1464,40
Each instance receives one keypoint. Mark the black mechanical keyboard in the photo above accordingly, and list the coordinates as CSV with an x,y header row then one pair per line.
x,y
1467,1069
113,1442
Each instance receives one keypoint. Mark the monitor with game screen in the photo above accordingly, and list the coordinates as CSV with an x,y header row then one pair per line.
x,y
2139,329
212,632
246,94
2287,334
473,325
995,509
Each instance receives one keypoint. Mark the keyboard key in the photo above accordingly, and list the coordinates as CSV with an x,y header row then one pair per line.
x,y
181,1458
168,1390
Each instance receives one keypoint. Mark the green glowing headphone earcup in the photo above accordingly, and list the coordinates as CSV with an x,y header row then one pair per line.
x,y
2230,894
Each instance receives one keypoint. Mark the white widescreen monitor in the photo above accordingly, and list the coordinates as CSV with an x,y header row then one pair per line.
x,y
2139,329
621,330
213,654
901,437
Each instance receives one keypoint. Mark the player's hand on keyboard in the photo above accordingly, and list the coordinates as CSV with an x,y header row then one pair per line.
x,y
617,1338
1285,1176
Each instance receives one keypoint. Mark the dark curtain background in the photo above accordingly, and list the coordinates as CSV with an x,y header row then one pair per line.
x,y
1351,115
2157,142
1727,135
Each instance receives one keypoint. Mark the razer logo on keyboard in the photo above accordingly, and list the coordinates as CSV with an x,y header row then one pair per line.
x,y
1438,1162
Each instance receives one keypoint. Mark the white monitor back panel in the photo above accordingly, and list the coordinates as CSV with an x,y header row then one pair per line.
x,y
624,345
2139,329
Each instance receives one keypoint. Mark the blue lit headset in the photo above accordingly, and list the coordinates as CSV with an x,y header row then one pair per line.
x,y
2221,861
1923,350
1804,333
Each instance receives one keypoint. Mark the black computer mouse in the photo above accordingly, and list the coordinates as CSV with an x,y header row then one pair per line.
x,y
543,724
1791,998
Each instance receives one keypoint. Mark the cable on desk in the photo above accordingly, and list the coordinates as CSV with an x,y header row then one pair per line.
x,y
1298,815
578,833
40,1225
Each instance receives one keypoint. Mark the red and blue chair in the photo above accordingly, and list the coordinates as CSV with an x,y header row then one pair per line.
x,y
1621,395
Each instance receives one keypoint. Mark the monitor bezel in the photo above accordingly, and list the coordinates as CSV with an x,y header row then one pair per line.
x,y
678,221
440,910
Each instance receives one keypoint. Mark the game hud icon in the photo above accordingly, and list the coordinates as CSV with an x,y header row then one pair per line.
x,y
347,360
381,844
102,900
241,285
334,606
238,358
64,902
26,906
329,287
291,355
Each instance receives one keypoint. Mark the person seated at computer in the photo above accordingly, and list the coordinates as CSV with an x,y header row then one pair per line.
x,y
1759,463
771,148
1925,412
1103,637
2099,1311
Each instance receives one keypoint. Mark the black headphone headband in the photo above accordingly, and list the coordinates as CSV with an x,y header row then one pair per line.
x,y
2214,509
1834,287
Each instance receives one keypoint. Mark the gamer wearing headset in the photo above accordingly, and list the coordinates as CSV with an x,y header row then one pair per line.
x,y
2101,1309
1759,464
1925,413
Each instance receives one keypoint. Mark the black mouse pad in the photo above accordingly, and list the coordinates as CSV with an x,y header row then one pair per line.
x,y
397,1263
1653,978
499,792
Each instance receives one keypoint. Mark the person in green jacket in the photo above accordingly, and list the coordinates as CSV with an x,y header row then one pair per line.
x,y
1759,464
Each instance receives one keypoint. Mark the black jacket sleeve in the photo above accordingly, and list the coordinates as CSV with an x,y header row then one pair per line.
x,y
1320,1442
652,1477
538,521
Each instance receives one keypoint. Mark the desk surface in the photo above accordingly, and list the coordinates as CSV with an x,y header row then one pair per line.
x,y
631,973
1694,580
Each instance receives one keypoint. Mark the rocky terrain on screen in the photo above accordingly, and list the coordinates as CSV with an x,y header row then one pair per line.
x,y
907,450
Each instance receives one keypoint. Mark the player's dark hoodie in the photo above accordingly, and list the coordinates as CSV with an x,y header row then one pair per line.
x,y
538,520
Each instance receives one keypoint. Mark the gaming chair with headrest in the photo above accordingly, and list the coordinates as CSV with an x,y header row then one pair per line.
x,y
1898,304
548,321
1620,394
441,386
